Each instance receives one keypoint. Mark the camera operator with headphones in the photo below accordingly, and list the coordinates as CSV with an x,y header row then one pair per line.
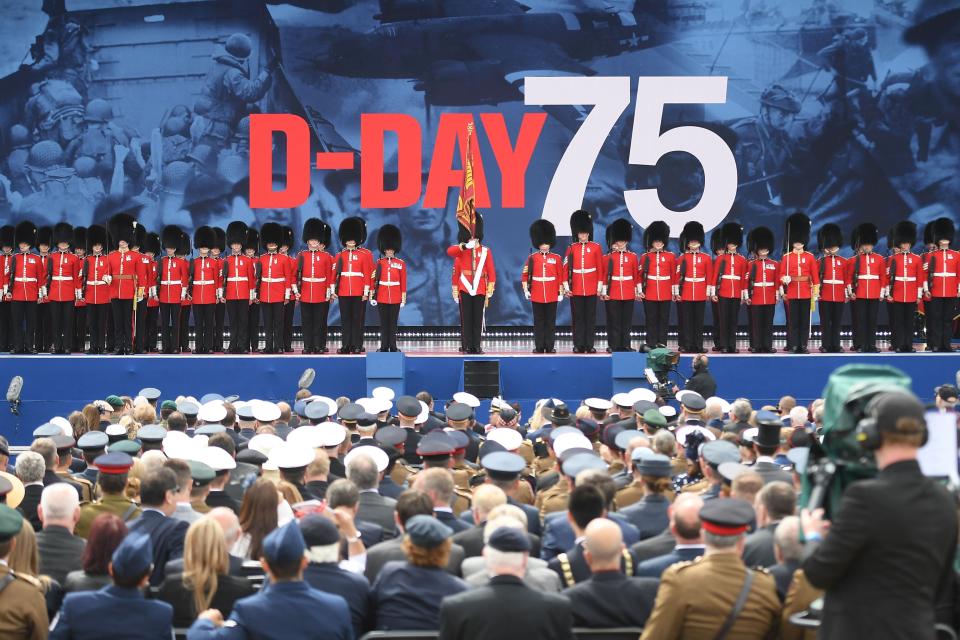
x,y
887,562
702,380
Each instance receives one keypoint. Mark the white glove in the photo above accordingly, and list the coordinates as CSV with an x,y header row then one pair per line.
x,y
43,292
107,279
526,294
471,244
294,289
403,304
253,295
153,292
675,289
785,279
744,296
373,303
219,293
286,294
711,290
79,294
560,298
919,294
183,294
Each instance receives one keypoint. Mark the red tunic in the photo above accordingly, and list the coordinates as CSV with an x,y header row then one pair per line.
x,y
6,259
833,279
204,281
45,262
622,271
353,272
542,277
763,281
584,268
390,281
866,276
273,278
801,269
905,275
63,270
27,276
729,279
171,280
239,277
943,273
658,272
315,276
122,270
694,277
466,264
95,288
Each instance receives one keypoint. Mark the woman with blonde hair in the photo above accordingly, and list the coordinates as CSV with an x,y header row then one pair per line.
x,y
144,414
289,492
92,415
205,582
25,560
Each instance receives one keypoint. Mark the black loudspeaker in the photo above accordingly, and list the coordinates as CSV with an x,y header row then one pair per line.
x,y
482,378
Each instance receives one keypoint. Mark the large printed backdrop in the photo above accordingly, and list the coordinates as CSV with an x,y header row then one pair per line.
x,y
871,138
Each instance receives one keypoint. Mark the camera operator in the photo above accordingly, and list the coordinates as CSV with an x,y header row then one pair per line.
x,y
702,380
887,562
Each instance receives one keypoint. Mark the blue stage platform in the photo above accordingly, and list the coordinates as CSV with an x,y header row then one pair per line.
x,y
56,385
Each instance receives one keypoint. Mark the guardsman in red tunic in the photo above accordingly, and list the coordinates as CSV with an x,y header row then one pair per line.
x,y
658,269
353,275
288,310
6,259
693,285
542,278
63,269
239,276
474,279
762,290
250,248
122,276
184,251
799,276
79,305
204,289
26,284
389,292
867,281
220,309
622,271
273,287
583,263
170,289
941,286
44,336
905,275
833,287
314,284
96,289
729,281
151,267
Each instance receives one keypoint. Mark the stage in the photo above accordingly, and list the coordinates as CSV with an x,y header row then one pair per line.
x,y
56,385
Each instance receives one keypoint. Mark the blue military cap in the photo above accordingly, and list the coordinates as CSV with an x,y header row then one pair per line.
x,y
128,447
408,406
587,426
458,412
693,401
47,430
252,456
319,531
509,540
114,463
460,439
582,462
426,531
210,397
503,465
640,407
188,408
657,465
391,436
299,408
93,440
317,410
366,419
799,457
63,442
350,412
134,555
622,441
556,432
609,434
436,443
489,446
245,412
716,452
151,433
11,521
640,453
150,393
285,545
210,429
769,418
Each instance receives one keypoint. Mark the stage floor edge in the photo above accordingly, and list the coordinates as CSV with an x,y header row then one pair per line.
x,y
56,385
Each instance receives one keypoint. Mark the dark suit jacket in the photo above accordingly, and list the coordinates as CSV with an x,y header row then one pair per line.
x,y
60,552
28,506
455,523
758,547
703,383
112,612
648,515
505,608
579,567
167,536
379,510
610,599
174,591
654,567
653,547
771,472
533,516
472,541
353,588
389,489
558,533
389,550
222,499
879,581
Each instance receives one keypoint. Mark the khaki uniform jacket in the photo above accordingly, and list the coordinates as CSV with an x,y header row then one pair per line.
x,y
696,597
553,499
799,597
23,608
118,505
87,490
630,494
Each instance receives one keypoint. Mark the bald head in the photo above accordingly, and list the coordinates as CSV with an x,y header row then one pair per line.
x,y
228,521
685,518
603,545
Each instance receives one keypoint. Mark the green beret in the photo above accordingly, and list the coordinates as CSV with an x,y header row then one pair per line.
x,y
168,404
202,474
129,447
654,418
10,522
115,402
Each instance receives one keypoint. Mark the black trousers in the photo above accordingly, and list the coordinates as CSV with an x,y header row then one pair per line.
x,y
865,319
79,328
185,327
901,324
619,324
831,315
351,321
140,332
583,310
170,326
940,312
238,313
110,335
728,312
97,315
691,321
218,314
253,326
798,323
471,320
24,319
6,338
273,326
761,326
313,318
153,328
44,330
658,321
203,322
123,324
288,310
544,325
389,315
61,323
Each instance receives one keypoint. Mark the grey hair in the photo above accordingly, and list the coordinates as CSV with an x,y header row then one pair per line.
x,y
787,539
721,542
741,410
59,501
665,442
30,467
494,560
362,471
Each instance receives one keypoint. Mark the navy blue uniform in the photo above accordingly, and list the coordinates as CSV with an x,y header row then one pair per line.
x,y
355,589
558,534
166,535
649,515
113,612
407,598
533,516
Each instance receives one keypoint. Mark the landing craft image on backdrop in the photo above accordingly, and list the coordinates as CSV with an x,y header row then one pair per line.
x,y
829,109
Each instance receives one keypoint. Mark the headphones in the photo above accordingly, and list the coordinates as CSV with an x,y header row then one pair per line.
x,y
698,362
867,430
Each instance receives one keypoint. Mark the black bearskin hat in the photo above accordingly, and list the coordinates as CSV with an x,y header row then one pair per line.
x,y
62,232
904,232
170,237
389,238
151,244
941,229
829,236
760,238
542,232
732,233
317,229
692,232
26,231
220,238
236,233
45,236
184,246
581,222
7,232
253,240
352,228
121,227
796,229
463,234
271,233
288,239
658,230
204,237
620,230
80,238
865,233
96,235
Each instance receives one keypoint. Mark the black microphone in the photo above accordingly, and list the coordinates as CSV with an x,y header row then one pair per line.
x,y
13,394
